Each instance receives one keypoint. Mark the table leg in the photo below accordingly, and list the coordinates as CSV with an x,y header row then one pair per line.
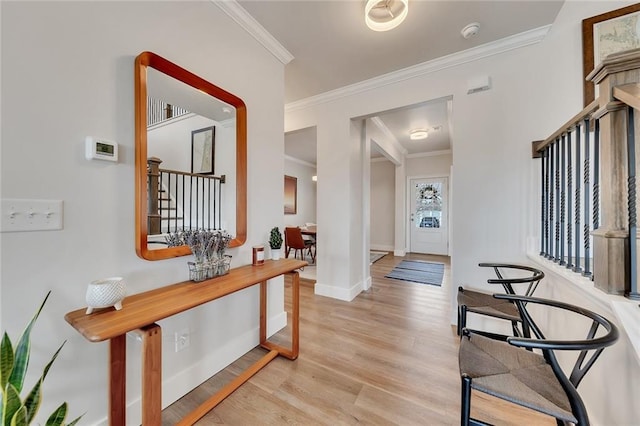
x,y
117,380
151,374
295,319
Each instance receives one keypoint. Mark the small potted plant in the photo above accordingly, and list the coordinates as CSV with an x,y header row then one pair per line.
x,y
275,242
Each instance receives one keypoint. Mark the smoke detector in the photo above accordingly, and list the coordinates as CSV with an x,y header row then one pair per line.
x,y
470,30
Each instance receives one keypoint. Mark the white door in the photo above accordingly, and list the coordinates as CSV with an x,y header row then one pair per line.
x,y
428,221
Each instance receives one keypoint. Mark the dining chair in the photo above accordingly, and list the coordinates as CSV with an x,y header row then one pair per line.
x,y
293,240
482,303
506,367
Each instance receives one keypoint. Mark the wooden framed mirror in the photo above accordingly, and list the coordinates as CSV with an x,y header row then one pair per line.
x,y
180,119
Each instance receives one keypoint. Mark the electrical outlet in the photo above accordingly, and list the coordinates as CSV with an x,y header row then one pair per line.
x,y
183,339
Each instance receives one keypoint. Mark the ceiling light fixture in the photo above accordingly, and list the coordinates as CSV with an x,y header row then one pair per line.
x,y
470,30
417,134
385,15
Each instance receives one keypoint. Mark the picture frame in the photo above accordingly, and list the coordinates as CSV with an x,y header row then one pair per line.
x,y
290,195
597,41
203,142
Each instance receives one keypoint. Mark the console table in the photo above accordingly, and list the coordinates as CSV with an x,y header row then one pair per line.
x,y
141,311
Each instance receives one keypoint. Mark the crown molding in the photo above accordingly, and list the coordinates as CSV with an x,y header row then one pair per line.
x,y
299,161
253,27
506,44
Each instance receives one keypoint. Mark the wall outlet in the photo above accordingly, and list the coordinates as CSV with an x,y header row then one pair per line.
x,y
182,339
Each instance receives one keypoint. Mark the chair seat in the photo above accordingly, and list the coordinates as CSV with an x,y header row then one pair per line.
x,y
486,304
513,374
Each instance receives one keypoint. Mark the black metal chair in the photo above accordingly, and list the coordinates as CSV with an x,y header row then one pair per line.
x,y
485,304
501,366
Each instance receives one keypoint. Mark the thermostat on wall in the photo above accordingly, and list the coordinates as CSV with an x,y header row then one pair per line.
x,y
101,149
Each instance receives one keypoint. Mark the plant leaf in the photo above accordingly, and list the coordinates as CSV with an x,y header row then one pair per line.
x,y
20,417
32,401
57,417
76,420
11,404
23,350
6,360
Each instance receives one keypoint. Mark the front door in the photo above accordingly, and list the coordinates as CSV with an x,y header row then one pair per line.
x,y
428,222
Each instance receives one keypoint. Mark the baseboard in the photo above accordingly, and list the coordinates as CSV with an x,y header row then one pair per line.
x,y
400,253
175,387
367,284
340,293
380,247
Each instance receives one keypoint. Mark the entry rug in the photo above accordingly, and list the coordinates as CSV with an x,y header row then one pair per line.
x,y
374,256
418,271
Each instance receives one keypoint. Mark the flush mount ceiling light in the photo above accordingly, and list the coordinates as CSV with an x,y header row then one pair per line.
x,y
385,15
417,134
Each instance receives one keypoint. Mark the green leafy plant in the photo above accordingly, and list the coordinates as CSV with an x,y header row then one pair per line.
x,y
275,239
16,411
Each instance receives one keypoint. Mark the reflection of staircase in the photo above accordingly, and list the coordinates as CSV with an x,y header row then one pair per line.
x,y
179,201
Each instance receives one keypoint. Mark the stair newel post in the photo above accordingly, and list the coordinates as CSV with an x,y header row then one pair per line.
x,y
153,195
611,240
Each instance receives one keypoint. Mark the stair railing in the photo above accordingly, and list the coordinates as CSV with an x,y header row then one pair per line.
x,y
588,182
179,201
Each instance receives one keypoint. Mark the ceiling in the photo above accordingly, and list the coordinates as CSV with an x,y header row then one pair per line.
x,y
333,48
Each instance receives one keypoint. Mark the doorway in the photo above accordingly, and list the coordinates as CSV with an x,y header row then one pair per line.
x,y
428,219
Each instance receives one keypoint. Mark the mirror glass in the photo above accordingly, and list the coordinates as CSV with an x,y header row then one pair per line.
x,y
190,157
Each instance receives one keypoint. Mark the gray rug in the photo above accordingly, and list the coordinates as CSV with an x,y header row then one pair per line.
x,y
418,271
374,256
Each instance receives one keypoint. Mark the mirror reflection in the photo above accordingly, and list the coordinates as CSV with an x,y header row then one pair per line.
x,y
191,157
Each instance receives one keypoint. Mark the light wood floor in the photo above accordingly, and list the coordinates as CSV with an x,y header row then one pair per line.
x,y
387,357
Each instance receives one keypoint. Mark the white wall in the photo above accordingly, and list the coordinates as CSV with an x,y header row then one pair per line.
x,y
67,72
306,202
535,90
382,199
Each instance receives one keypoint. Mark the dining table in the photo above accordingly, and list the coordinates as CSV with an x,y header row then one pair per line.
x,y
308,230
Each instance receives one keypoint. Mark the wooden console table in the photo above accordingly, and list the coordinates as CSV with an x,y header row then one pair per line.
x,y
141,311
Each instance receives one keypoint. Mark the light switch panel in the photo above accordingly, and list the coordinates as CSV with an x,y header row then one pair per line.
x,y
19,215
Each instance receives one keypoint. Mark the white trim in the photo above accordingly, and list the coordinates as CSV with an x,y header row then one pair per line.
x,y
340,293
384,129
400,253
381,247
299,161
516,41
430,154
255,30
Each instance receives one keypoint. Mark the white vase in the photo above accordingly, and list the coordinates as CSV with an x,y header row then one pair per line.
x,y
275,254
104,293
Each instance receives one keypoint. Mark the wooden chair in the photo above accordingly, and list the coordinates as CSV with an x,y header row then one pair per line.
x,y
293,240
485,304
507,368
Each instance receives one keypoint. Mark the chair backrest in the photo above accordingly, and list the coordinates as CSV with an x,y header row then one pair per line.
x,y
502,271
293,238
590,347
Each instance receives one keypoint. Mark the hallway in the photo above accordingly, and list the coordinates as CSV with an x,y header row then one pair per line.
x,y
387,357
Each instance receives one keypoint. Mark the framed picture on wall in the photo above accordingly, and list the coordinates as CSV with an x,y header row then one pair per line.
x,y
602,35
290,195
203,143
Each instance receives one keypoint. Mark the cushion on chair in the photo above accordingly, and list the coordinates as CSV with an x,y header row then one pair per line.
x,y
513,374
483,303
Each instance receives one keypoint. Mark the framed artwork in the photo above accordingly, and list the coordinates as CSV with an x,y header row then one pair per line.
x,y
610,32
203,143
290,195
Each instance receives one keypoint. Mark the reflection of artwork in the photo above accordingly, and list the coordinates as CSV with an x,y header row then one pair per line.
x,y
202,150
602,35
290,195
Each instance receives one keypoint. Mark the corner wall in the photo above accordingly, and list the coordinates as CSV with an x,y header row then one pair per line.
x,y
67,72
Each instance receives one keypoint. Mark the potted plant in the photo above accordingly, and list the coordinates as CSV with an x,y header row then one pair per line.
x,y
13,369
275,242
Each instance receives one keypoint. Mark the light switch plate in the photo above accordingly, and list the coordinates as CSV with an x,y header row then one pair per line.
x,y
19,215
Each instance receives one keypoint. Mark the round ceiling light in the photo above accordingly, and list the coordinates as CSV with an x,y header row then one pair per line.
x,y
385,15
418,134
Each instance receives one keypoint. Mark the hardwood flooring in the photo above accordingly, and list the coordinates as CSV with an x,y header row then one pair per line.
x,y
388,357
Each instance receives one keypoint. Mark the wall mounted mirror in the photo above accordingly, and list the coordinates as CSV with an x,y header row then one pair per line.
x,y
191,157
